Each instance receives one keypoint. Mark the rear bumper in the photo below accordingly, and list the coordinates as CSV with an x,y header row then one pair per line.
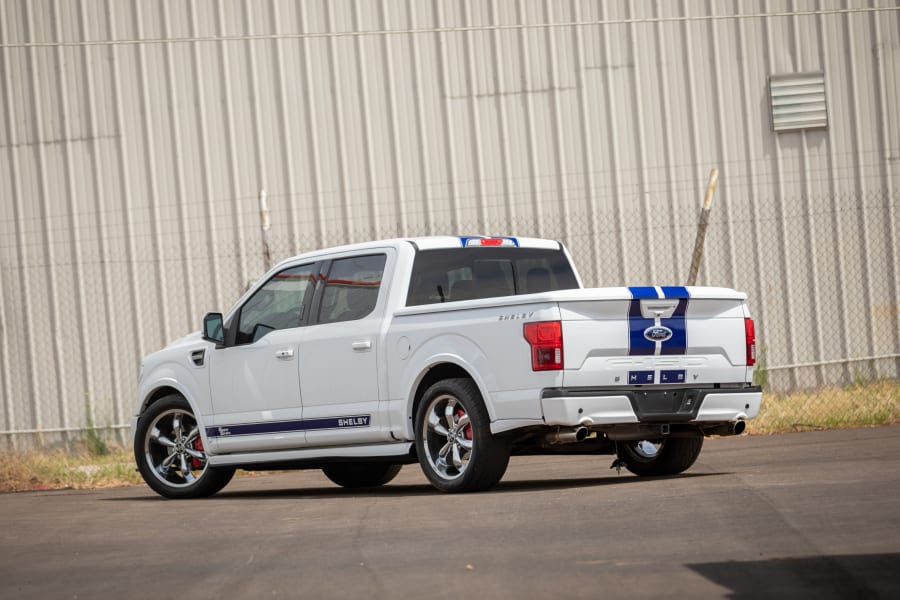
x,y
682,405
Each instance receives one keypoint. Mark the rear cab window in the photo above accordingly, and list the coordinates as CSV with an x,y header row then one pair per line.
x,y
456,274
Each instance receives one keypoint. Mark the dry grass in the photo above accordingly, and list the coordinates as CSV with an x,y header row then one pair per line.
x,y
858,406
831,408
80,470
60,469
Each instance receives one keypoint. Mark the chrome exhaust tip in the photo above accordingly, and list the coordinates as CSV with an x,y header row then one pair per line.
x,y
577,434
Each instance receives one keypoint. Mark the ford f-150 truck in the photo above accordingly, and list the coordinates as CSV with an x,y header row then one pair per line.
x,y
453,352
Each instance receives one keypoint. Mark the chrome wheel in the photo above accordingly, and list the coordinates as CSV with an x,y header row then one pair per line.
x,y
449,439
173,448
170,455
666,456
647,449
454,443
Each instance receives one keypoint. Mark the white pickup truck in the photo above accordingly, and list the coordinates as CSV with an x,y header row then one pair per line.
x,y
447,351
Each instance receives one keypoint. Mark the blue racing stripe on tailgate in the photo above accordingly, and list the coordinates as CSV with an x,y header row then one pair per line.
x,y
675,292
643,293
637,324
677,344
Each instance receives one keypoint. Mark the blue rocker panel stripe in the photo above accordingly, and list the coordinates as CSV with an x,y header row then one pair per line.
x,y
289,426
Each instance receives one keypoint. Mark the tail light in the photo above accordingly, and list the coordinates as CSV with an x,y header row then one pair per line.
x,y
546,342
750,336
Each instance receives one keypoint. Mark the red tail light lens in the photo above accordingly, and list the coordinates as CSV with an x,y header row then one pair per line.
x,y
546,342
750,335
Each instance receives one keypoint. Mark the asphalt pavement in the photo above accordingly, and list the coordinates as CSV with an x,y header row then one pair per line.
x,y
813,514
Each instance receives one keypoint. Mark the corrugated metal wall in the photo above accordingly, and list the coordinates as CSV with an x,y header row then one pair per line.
x,y
129,172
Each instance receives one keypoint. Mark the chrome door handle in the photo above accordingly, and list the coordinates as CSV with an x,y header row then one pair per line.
x,y
362,345
285,354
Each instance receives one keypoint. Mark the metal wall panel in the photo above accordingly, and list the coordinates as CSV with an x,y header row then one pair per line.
x,y
129,172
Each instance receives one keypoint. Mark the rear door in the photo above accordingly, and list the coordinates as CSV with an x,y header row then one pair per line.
x,y
339,352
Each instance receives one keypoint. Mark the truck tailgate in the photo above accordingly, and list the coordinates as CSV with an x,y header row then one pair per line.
x,y
653,336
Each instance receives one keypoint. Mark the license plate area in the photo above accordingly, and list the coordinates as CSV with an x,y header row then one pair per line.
x,y
649,377
666,405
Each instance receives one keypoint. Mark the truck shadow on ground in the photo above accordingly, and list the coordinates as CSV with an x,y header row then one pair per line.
x,y
848,576
424,489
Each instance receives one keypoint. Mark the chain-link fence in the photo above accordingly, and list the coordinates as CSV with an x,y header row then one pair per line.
x,y
821,273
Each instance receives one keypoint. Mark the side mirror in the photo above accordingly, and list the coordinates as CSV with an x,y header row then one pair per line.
x,y
213,329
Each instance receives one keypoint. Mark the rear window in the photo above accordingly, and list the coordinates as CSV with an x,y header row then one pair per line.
x,y
454,274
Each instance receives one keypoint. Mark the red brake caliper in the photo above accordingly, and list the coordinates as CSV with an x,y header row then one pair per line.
x,y
198,446
468,430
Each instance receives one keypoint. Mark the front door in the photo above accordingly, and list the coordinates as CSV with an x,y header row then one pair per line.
x,y
255,379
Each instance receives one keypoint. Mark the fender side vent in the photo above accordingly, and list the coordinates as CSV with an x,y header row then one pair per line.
x,y
197,356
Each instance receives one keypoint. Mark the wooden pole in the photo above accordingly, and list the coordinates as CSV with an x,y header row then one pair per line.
x,y
701,227
264,222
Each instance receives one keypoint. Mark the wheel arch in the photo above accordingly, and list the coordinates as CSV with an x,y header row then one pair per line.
x,y
168,387
158,394
165,388
439,371
172,377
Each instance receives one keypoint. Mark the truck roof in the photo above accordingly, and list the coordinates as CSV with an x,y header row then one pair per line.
x,y
437,243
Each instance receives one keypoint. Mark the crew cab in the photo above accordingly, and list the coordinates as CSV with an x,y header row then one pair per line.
x,y
453,352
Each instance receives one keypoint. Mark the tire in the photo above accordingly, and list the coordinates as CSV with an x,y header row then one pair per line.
x,y
456,449
361,474
169,452
668,456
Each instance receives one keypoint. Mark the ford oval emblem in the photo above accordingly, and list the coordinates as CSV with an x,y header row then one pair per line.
x,y
657,333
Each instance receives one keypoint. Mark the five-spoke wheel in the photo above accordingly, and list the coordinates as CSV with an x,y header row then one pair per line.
x,y
174,448
170,454
456,449
448,438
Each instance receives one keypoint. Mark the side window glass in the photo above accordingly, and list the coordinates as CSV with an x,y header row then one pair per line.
x,y
351,289
279,304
